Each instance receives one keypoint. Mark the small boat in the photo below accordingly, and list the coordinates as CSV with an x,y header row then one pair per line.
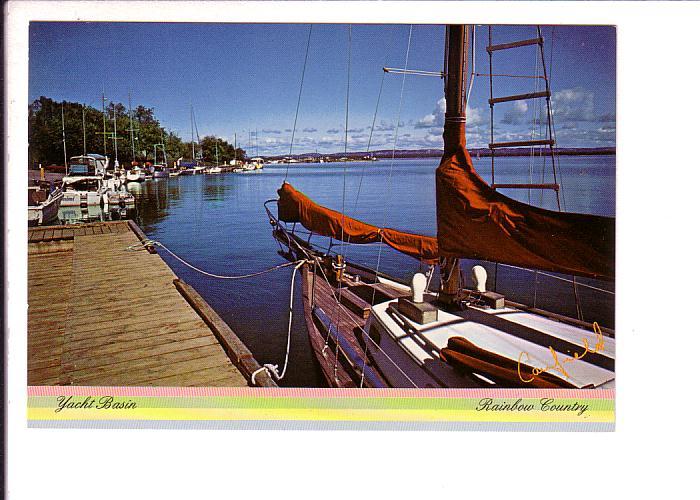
x,y
85,183
215,170
120,198
135,174
368,329
256,163
160,171
43,204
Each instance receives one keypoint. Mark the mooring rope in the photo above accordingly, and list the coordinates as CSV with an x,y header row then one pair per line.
x,y
273,369
146,243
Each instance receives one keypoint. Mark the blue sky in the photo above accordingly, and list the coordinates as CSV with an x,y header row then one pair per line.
x,y
244,77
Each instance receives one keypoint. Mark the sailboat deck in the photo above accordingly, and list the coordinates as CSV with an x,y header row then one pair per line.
x,y
101,315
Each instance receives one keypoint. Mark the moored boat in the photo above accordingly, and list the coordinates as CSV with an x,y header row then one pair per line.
x,y
160,171
368,329
43,203
85,183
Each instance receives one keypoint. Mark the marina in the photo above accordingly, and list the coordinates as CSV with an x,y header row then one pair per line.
x,y
93,323
400,285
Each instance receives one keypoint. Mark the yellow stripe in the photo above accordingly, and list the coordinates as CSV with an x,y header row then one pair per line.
x,y
316,414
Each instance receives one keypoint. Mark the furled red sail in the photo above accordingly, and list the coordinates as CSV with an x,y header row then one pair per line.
x,y
294,206
477,222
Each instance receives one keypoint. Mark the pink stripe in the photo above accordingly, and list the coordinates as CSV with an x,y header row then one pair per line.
x,y
317,393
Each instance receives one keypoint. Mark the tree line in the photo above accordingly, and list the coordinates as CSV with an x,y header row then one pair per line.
x,y
88,130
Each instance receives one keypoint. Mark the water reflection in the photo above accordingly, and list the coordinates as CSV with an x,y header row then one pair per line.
x,y
94,213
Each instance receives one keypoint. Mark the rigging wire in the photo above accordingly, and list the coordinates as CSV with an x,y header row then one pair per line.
x,y
554,131
374,121
393,152
341,264
301,87
602,290
473,70
389,180
345,150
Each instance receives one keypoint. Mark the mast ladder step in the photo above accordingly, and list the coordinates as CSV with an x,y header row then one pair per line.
x,y
513,45
516,144
554,187
520,97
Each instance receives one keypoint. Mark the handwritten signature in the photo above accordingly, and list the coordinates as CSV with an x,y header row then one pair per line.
x,y
559,365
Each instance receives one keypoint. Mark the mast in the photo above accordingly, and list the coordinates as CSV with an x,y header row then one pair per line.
x,y
63,132
165,155
216,146
235,153
456,49
84,138
104,123
116,156
192,128
131,130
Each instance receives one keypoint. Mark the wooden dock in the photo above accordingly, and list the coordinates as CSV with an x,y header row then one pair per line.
x,y
103,315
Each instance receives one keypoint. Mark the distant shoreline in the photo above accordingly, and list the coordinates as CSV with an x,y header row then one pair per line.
x,y
437,153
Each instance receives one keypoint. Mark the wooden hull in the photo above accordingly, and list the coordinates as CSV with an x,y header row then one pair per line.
x,y
335,325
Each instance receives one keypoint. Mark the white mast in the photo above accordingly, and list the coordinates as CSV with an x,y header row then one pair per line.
x,y
192,128
63,131
131,130
84,138
116,155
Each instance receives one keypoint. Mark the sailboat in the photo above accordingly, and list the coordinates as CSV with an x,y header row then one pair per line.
x,y
217,168
368,329
160,170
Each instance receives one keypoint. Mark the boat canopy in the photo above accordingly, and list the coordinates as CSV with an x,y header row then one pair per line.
x,y
475,221
294,206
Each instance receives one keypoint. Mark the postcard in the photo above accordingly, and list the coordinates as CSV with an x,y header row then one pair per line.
x,y
321,226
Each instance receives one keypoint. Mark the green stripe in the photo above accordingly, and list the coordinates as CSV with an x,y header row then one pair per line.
x,y
263,402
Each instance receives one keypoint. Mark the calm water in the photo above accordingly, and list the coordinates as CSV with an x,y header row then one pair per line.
x,y
218,223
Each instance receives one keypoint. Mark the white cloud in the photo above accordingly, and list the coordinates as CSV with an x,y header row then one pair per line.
x,y
573,105
436,118
516,114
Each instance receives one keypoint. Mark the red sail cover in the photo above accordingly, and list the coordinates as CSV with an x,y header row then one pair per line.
x,y
476,222
294,206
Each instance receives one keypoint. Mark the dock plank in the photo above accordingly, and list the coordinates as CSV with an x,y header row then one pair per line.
x,y
103,314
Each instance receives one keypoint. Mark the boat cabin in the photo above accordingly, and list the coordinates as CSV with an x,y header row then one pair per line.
x,y
87,165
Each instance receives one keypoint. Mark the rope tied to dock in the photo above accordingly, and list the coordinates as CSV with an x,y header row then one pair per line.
x,y
142,245
272,369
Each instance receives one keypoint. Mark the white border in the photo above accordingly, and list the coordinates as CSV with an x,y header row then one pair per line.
x,y
658,341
